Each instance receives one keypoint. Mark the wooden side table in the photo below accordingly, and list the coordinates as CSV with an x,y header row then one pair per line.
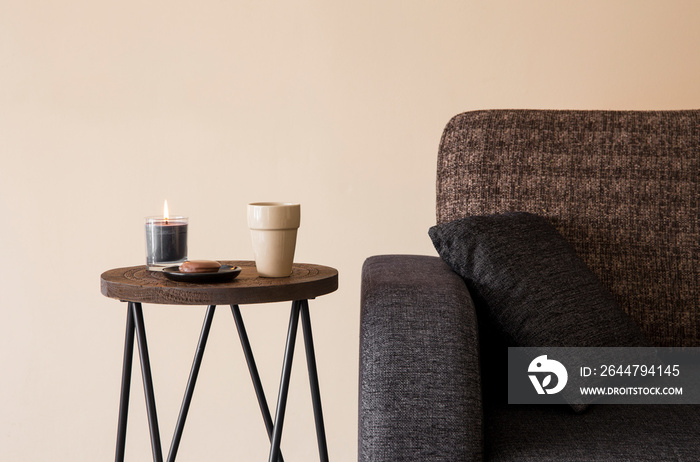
x,y
137,285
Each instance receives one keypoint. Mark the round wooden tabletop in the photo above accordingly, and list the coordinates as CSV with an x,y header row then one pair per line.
x,y
137,284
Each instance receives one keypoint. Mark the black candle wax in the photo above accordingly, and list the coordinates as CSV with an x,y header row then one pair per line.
x,y
166,241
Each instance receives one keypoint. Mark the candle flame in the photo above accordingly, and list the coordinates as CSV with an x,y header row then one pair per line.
x,y
166,215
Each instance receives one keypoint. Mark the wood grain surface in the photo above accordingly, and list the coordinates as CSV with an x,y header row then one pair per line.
x,y
137,284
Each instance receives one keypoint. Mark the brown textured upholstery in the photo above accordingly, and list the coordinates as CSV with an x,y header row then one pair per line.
x,y
622,186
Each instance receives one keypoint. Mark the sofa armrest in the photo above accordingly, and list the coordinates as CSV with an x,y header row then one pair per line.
x,y
420,390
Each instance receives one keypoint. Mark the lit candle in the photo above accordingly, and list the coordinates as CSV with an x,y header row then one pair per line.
x,y
166,240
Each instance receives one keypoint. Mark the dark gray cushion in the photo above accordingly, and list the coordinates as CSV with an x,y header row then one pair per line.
x,y
535,286
531,283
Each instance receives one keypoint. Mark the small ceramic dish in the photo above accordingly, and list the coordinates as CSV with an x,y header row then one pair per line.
x,y
226,273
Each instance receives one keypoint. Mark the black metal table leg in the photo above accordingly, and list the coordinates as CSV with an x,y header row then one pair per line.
x,y
135,330
189,390
284,384
126,386
254,375
313,380
137,312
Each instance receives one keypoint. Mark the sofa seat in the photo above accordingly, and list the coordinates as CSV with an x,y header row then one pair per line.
x,y
607,432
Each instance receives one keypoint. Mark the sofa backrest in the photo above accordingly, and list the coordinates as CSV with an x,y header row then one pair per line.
x,y
622,186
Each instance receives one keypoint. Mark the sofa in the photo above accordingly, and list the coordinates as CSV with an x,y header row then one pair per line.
x,y
623,189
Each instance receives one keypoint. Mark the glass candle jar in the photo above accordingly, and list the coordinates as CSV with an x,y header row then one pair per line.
x,y
166,242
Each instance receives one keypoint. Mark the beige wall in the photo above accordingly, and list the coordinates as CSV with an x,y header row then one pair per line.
x,y
109,107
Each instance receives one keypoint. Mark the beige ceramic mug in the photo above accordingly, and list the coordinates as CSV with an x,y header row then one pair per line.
x,y
273,230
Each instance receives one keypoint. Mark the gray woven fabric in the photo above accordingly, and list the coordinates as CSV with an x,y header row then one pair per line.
x,y
620,433
622,187
420,393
